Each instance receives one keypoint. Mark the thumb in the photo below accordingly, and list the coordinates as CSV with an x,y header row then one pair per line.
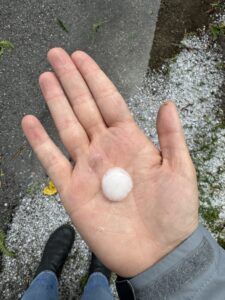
x,y
171,136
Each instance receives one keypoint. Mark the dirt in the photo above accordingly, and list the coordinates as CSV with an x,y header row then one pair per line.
x,y
177,18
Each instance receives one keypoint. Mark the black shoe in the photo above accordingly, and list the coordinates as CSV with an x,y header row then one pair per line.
x,y
97,266
56,250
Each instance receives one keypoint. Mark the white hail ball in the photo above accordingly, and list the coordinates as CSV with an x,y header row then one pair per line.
x,y
116,184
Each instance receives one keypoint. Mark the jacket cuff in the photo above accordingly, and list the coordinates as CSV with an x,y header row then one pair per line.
x,y
178,268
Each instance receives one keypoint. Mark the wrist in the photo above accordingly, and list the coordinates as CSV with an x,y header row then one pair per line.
x,y
150,256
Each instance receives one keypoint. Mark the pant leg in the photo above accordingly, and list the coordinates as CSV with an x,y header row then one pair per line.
x,y
97,288
43,287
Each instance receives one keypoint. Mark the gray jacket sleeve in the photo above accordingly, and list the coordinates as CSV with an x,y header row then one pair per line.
x,y
194,270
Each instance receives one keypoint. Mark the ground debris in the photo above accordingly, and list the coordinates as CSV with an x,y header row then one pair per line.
x,y
50,189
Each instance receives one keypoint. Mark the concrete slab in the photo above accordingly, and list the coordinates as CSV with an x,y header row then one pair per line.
x,y
118,34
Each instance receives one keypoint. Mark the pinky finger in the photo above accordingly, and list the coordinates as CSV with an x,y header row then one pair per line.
x,y
54,162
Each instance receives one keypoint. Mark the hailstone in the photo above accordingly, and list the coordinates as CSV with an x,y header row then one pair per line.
x,y
116,184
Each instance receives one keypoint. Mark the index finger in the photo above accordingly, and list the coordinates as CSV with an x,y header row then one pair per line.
x,y
53,160
108,99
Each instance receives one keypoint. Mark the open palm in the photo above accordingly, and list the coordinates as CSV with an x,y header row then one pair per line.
x,y
98,131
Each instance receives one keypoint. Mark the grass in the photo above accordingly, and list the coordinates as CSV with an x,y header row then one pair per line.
x,y
220,65
3,249
62,25
5,45
132,36
1,178
141,118
218,5
33,188
189,34
211,215
83,281
96,26
221,242
209,183
217,30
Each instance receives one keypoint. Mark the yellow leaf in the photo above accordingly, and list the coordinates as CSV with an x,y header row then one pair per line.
x,y
50,189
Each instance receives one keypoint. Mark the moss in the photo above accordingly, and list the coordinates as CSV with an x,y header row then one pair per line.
x,y
3,249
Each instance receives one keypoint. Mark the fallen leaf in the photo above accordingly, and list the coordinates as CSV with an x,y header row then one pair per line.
x,y
50,189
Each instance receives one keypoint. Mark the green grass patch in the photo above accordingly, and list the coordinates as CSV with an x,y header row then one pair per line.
x,y
211,216
218,5
5,45
217,30
3,249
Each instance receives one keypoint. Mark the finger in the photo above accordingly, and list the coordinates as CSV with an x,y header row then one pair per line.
x,y
54,162
110,103
171,136
77,91
71,132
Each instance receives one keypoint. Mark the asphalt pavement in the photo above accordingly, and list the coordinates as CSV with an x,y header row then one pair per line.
x,y
117,34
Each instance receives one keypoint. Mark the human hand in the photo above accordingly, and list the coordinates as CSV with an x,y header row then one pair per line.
x,y
99,132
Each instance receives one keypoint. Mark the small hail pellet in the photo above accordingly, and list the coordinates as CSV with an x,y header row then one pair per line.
x,y
116,184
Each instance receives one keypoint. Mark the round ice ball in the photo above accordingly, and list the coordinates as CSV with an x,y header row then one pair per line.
x,y
116,184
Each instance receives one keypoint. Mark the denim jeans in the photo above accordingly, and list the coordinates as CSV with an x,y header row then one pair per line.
x,y
97,288
45,287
